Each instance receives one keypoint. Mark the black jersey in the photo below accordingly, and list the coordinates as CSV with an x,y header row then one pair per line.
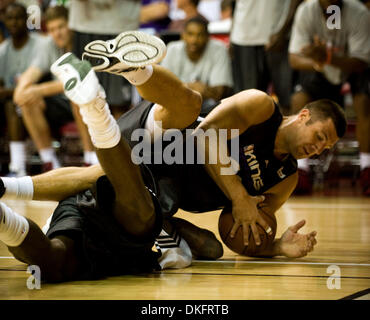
x,y
189,187
259,168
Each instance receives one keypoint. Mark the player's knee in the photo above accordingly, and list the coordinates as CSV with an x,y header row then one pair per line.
x,y
29,108
51,261
137,219
196,102
55,267
192,103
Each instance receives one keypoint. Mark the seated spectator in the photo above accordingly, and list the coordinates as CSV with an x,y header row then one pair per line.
x,y
224,24
190,9
16,55
329,57
3,31
44,106
154,15
201,62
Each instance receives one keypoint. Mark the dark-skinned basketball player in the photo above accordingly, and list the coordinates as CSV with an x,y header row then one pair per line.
x,y
275,142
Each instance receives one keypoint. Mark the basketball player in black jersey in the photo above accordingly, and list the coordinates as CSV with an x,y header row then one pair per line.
x,y
271,141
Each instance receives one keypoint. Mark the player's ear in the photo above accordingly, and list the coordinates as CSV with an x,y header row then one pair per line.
x,y
304,115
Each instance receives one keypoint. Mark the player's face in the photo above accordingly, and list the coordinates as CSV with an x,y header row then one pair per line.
x,y
59,31
196,38
312,138
15,20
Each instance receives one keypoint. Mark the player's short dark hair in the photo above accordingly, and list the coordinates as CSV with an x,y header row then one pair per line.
x,y
16,5
199,20
56,12
323,109
195,2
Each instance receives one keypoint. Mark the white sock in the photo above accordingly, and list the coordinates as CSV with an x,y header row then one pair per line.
x,y
18,188
139,76
303,164
13,227
103,128
364,160
17,156
90,157
176,253
49,155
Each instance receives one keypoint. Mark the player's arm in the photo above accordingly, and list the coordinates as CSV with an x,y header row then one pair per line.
x,y
345,63
291,244
240,112
27,88
208,92
277,40
58,184
154,11
54,185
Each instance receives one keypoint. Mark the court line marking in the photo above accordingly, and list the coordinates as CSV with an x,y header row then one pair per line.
x,y
260,275
325,206
289,262
273,262
357,295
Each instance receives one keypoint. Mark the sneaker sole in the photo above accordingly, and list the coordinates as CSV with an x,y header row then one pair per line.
x,y
131,49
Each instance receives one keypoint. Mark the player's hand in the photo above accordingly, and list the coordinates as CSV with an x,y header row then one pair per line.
x,y
316,51
245,214
28,96
297,245
276,42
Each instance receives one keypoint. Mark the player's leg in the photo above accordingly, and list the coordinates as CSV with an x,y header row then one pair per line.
x,y
133,206
56,258
88,147
132,55
17,144
202,242
33,115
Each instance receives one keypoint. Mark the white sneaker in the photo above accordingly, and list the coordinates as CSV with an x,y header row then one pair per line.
x,y
128,51
79,80
175,252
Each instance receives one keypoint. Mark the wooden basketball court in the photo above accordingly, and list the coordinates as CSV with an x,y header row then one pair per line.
x,y
343,226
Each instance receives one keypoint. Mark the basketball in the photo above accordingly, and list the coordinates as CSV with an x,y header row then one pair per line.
x,y
236,244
